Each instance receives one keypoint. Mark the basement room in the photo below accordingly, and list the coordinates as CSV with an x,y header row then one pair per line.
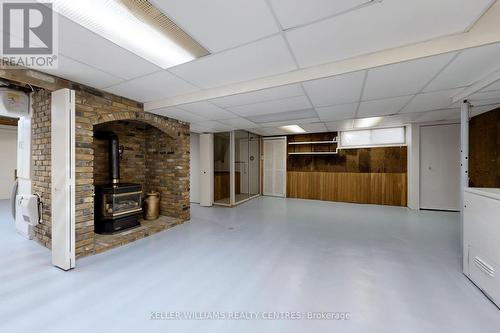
x,y
250,166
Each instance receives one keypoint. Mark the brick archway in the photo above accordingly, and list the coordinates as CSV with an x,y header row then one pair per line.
x,y
163,124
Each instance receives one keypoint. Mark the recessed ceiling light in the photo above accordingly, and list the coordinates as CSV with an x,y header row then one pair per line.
x,y
367,122
135,25
292,129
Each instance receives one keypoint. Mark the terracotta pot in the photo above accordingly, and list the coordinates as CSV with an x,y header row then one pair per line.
x,y
152,209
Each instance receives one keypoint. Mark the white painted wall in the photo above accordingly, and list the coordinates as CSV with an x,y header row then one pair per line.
x,y
8,147
194,168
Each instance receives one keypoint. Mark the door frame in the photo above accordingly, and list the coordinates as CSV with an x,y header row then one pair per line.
x,y
413,139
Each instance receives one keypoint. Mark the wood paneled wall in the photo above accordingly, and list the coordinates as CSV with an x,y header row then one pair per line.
x,y
365,175
369,188
222,184
484,150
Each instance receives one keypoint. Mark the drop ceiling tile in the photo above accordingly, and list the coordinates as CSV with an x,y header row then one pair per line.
x,y
314,127
493,87
269,107
398,119
447,114
299,122
75,71
255,60
284,116
406,78
486,96
260,96
152,87
341,89
341,125
385,25
431,101
207,110
179,114
469,67
89,48
337,112
292,13
220,24
212,126
238,123
383,107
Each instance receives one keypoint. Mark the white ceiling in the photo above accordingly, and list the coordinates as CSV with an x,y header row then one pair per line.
x,y
260,38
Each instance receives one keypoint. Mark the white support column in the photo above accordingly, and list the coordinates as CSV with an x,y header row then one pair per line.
x,y
63,178
464,160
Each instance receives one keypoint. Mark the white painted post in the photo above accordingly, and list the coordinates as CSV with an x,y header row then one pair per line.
x,y
464,161
63,178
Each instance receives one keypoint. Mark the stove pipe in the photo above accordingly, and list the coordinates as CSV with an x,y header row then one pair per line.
x,y
113,154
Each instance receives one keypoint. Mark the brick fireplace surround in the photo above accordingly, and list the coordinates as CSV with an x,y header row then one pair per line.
x,y
156,155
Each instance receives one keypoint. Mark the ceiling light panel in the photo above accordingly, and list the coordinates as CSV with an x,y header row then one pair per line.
x,y
292,129
103,54
389,24
136,26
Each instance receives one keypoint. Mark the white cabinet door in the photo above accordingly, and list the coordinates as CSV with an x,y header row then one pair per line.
x,y
275,166
440,167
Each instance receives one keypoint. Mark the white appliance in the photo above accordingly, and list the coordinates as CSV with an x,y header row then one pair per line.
x,y
14,103
275,166
481,238
28,207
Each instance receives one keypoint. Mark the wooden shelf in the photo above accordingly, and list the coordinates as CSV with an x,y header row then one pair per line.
x,y
315,153
312,142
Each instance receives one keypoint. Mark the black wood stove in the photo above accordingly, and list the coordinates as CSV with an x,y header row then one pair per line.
x,y
117,205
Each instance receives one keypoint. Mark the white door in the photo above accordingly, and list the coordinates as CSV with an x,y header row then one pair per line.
x,y
275,166
206,170
440,167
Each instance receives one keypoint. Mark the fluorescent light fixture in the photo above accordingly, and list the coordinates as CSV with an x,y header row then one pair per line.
x,y
292,129
367,122
135,25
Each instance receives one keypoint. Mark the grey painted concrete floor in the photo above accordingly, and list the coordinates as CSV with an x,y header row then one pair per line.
x,y
392,269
